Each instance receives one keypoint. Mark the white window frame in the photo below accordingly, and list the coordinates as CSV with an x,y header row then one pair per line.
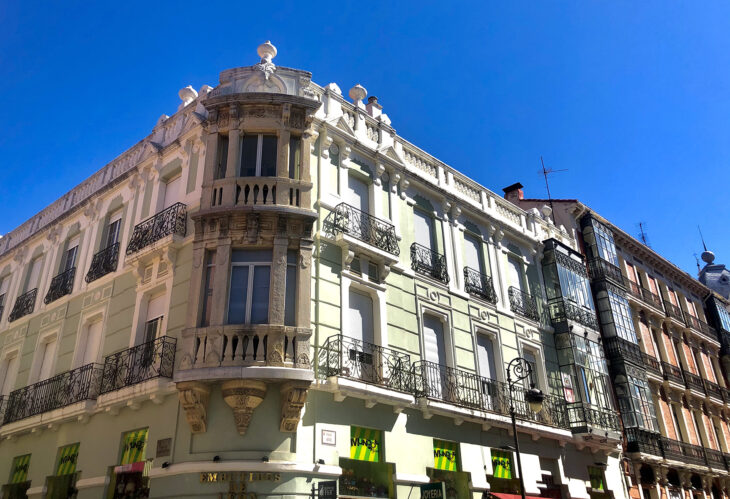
x,y
82,332
44,338
115,217
496,339
7,355
539,354
445,318
249,285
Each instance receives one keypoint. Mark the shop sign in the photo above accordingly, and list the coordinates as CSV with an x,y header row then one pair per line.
x,y
67,457
327,490
435,490
501,464
444,455
237,481
20,469
365,444
135,444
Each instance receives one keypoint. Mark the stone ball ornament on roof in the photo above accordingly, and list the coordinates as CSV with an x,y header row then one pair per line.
x,y
187,95
358,93
708,257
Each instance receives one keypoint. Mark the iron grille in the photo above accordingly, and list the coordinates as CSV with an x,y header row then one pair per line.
x,y
479,284
523,303
651,298
619,348
362,361
601,269
714,390
672,373
169,221
652,364
639,440
562,309
104,262
428,262
24,305
583,415
61,285
53,393
363,226
673,311
693,382
154,359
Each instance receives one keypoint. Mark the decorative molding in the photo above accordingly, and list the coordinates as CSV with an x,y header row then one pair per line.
x,y
243,396
194,397
293,397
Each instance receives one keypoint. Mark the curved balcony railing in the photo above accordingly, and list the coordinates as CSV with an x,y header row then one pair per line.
x,y
363,226
154,359
429,263
24,305
479,284
362,361
562,310
673,311
672,373
104,262
53,393
172,220
583,415
523,303
602,269
61,285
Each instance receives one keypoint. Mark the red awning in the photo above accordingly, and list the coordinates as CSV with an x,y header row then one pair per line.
x,y
501,495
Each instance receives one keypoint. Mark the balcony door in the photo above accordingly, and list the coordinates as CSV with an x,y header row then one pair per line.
x,y
46,352
33,274
423,228
473,253
435,352
172,191
514,273
359,338
487,370
90,343
71,253
358,194
8,373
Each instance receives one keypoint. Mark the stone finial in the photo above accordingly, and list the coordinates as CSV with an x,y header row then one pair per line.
x,y
546,212
187,95
357,94
708,257
266,51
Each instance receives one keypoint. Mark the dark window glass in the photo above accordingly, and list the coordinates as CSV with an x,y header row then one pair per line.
x,y
249,147
268,156
208,289
222,162
295,157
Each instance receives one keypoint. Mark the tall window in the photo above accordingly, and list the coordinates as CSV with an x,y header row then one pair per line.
x,y
248,299
112,230
473,253
34,274
643,406
723,314
622,316
4,284
360,318
575,287
424,231
295,157
514,271
155,314
208,288
531,358
89,343
358,194
222,160
8,371
433,340
485,356
258,155
173,189
46,352
605,243
290,304
69,261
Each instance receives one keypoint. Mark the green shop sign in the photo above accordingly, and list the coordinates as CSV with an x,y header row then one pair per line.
x,y
502,464
444,455
365,444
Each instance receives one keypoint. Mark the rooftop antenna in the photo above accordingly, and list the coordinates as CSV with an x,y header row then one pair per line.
x,y
699,269
702,237
545,172
643,235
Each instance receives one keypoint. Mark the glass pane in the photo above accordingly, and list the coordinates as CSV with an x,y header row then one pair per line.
x,y
260,295
220,171
113,232
251,256
237,295
291,295
268,156
295,153
249,145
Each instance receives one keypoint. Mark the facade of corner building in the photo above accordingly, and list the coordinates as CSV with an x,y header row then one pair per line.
x,y
273,289
665,335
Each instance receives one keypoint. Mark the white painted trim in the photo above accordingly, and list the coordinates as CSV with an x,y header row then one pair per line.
x,y
410,478
252,466
97,481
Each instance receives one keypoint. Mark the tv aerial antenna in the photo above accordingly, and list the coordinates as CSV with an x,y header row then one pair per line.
x,y
545,172
643,235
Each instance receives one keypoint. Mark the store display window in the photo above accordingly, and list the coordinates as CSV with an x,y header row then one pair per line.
x,y
62,485
366,474
130,479
18,485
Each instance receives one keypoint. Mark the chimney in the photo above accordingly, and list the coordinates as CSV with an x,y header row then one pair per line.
x,y
514,193
373,108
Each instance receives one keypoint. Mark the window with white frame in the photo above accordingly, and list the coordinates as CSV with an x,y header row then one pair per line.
x,y
4,285
248,297
113,228
622,320
485,356
69,258
173,188
533,379
8,372
360,317
155,315
258,155
34,274
89,343
424,229
515,275
45,355
473,253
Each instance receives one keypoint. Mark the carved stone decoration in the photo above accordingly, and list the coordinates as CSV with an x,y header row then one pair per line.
x,y
194,397
293,397
267,52
243,396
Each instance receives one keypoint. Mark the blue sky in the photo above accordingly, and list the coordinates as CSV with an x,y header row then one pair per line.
x,y
633,98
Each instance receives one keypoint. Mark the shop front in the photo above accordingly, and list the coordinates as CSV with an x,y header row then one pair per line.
x,y
130,479
18,485
447,469
365,473
62,485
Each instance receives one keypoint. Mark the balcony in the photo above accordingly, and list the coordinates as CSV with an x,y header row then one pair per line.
x,y
672,373
59,391
362,361
680,451
715,459
700,326
673,311
154,359
170,221
714,390
61,285
644,295
429,263
466,389
479,284
643,441
104,262
619,348
694,382
599,268
652,365
582,416
350,221
561,310
24,305
523,303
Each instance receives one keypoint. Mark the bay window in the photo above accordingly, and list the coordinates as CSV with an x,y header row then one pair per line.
x,y
258,155
248,298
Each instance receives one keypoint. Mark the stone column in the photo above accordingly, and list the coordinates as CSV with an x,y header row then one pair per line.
x,y
457,248
220,288
278,284
211,154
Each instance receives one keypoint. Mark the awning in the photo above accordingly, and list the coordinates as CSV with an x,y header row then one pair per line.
x,y
501,495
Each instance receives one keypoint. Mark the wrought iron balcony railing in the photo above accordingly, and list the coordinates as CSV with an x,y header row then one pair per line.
x,y
672,373
479,284
362,361
714,390
469,390
363,226
24,305
523,303
619,348
562,310
154,359
715,459
103,263
634,289
53,393
602,269
680,451
652,365
639,440
581,416
172,220
673,311
699,326
693,382
61,285
429,263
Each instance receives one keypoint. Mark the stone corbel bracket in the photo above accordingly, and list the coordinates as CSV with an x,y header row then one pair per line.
x,y
194,397
293,397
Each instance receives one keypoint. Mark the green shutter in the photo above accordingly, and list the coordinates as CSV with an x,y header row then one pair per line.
x,y
19,471
67,457
135,444
502,464
365,444
444,455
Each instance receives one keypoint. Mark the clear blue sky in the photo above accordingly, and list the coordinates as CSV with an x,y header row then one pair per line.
x,y
633,98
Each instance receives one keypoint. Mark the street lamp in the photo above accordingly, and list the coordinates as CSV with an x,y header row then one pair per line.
x,y
521,369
